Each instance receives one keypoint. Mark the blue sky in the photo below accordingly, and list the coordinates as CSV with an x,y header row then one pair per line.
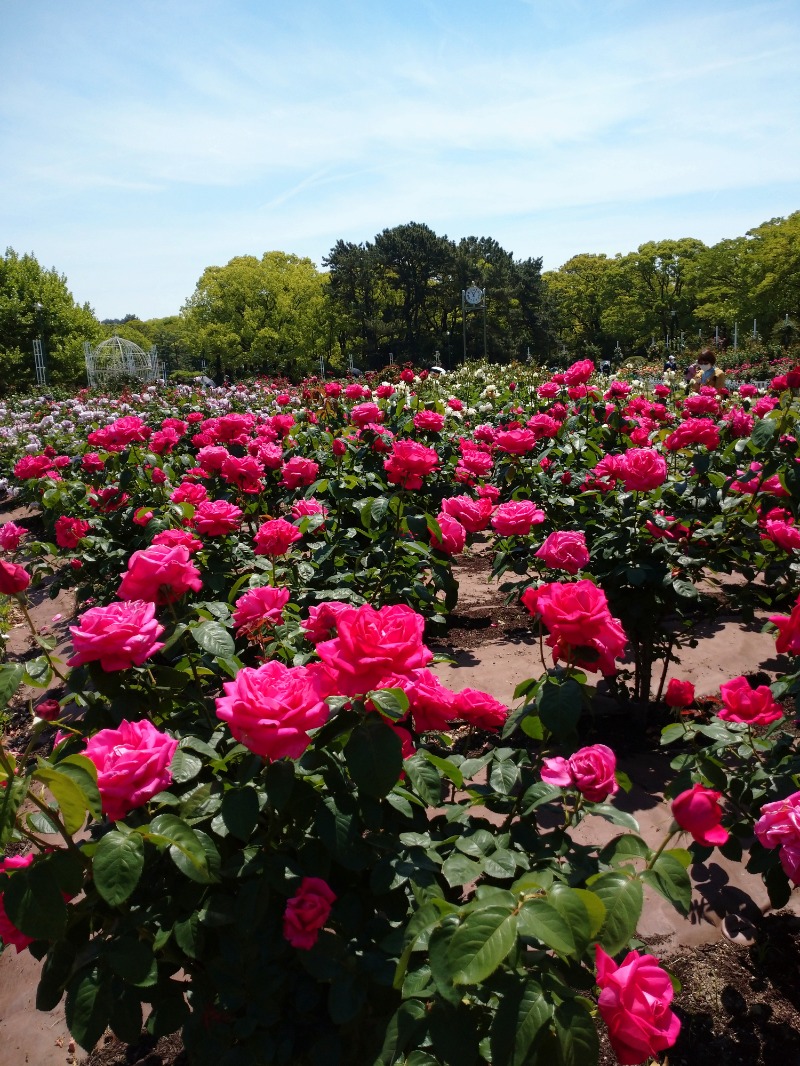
x,y
142,142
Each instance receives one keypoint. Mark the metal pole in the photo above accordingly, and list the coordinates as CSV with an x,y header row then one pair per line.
x,y
485,350
464,322
735,335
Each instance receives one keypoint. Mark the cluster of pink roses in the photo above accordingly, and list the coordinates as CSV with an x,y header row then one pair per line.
x,y
581,629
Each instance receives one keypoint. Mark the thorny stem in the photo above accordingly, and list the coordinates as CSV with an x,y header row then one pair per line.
x,y
34,631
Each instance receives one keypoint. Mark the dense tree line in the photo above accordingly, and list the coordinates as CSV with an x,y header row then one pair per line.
x,y
400,296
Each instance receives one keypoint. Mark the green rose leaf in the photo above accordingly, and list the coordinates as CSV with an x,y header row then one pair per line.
x,y
117,867
522,1012
34,902
622,897
481,943
459,870
540,920
214,638
11,675
669,877
88,1005
374,757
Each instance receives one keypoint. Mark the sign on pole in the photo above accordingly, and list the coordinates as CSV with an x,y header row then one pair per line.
x,y
38,362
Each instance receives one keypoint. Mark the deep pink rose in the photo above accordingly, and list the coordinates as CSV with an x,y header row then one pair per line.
x,y
321,621
272,709
473,515
13,578
373,643
132,765
212,458
679,693
564,550
453,538
782,534
697,810
409,463
275,537
579,373
755,706
517,518
430,421
174,538
159,574
307,912
779,827
642,469
432,705
693,431
9,934
70,531
590,770
480,709
260,607
118,636
581,627
11,535
307,508
515,441
217,518
189,492
475,462
365,413
634,1002
299,471
788,640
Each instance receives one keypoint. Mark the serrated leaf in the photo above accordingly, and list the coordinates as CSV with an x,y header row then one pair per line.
x,y
88,1006
374,757
522,1012
34,903
425,780
622,898
11,675
481,943
167,830
117,866
446,767
540,920
458,870
391,702
671,879
214,638
240,811
614,815
69,796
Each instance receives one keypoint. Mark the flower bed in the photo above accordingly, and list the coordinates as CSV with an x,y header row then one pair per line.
x,y
251,782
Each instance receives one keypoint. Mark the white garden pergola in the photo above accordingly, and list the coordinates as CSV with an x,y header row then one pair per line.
x,y
118,358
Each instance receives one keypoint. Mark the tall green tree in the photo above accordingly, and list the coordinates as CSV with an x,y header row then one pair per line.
x,y
259,316
35,302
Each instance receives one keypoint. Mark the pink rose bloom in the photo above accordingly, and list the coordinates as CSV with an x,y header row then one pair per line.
x,y
698,811
212,458
475,461
245,473
579,373
480,709
453,538
679,693
748,390
634,1002
307,912
132,765
70,531
590,770
693,431
307,508
542,426
474,515
216,518
364,413
788,641
370,644
409,463
13,578
321,621
430,421
517,518
159,574
259,607
9,934
189,492
275,537
174,538
515,441
163,441
581,627
30,466
642,469
564,550
779,827
272,709
269,455
92,463
11,535
353,391
432,705
754,706
118,636
299,471
488,492
784,535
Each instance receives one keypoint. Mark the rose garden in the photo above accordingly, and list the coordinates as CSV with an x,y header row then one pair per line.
x,y
246,806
